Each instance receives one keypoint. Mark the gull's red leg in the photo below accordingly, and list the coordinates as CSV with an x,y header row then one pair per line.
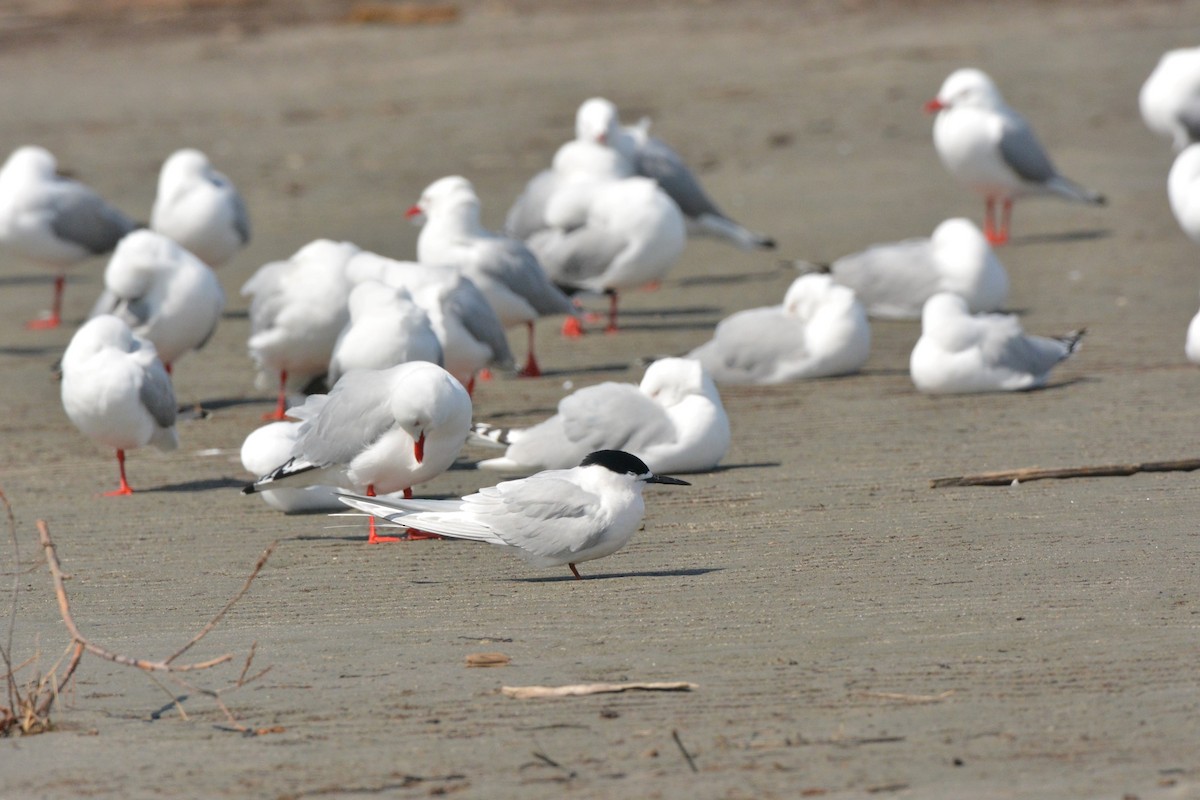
x,y
280,412
124,488
531,369
54,319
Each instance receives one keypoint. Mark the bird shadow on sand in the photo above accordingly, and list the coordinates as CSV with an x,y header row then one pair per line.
x,y
31,351
1065,236
737,278
730,467
199,486
25,280
650,573
595,368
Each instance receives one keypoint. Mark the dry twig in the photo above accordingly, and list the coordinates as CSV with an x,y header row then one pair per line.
x,y
581,689
1008,477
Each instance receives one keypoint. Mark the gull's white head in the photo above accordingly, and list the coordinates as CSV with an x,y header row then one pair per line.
x,y
444,195
29,162
371,297
808,293
942,308
597,121
670,381
185,163
428,403
99,333
967,87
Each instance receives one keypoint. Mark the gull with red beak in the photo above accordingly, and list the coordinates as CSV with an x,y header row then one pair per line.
x,y
990,148
377,432
504,269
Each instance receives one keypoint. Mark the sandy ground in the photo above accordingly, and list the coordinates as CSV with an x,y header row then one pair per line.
x,y
852,631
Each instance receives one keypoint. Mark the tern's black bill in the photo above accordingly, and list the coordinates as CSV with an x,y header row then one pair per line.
x,y
666,479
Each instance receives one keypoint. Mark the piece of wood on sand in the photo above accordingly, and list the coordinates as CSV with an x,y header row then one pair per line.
x,y
581,689
1008,477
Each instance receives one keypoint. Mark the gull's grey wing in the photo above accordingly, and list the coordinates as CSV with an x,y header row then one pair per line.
x,y
890,280
515,265
614,416
81,216
656,159
157,394
528,213
354,416
1034,355
572,258
1023,152
241,217
480,320
747,346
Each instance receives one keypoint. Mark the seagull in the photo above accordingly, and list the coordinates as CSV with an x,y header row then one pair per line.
x,y
298,308
377,431
959,353
264,449
1191,345
819,331
673,420
504,268
116,391
1183,190
471,334
53,220
991,149
651,157
556,517
164,293
894,280
386,328
1170,98
624,234
200,208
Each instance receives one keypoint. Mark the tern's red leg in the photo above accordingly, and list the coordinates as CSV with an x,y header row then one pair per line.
x,y
612,314
280,412
124,488
372,537
531,369
575,571
572,328
54,319
412,534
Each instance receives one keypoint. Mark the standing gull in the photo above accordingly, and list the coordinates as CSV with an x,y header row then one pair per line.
x,y
166,294
504,269
959,352
116,391
556,517
653,158
377,431
53,220
386,328
673,420
991,149
820,330
200,208
298,308
1183,190
470,333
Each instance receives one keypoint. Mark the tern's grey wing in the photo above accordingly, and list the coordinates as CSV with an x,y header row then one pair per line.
x,y
480,320
356,414
157,394
528,213
518,268
656,159
83,217
545,515
890,280
615,416
1023,152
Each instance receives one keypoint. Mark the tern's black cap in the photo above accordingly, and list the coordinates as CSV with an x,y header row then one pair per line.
x,y
623,463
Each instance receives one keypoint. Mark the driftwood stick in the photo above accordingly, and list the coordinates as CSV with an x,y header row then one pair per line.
x,y
1006,477
581,689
